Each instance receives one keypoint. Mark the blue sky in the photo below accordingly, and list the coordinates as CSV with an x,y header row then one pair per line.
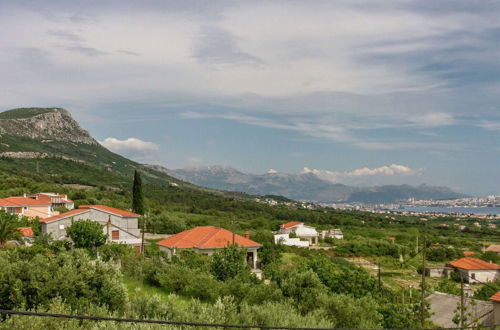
x,y
358,92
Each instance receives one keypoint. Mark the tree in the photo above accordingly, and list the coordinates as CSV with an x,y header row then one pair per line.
x,y
137,194
8,227
86,234
228,263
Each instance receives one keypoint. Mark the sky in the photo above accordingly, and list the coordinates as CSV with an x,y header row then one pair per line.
x,y
360,92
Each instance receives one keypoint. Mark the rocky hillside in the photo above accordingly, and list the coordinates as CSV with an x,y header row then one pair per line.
x,y
44,124
49,139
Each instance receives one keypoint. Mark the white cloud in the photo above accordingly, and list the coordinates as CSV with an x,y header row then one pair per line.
x,y
272,171
132,147
345,176
490,125
194,159
433,119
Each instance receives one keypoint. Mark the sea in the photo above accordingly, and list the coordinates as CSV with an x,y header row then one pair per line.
x,y
460,210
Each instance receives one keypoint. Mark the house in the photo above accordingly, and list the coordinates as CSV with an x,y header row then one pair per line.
x,y
121,226
440,272
493,248
476,270
55,200
332,233
27,207
27,235
443,309
496,307
469,253
207,240
285,239
301,231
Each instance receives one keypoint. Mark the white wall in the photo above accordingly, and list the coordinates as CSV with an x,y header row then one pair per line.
x,y
286,240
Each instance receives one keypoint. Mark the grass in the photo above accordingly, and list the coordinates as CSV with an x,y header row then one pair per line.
x,y
138,288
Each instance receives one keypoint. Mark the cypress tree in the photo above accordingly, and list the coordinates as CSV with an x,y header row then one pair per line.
x,y
137,195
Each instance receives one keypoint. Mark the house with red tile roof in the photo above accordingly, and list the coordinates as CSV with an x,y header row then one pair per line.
x,y
26,207
54,199
121,226
207,240
475,270
26,231
300,230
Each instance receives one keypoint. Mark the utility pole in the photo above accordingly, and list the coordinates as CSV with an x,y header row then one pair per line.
x,y
422,293
462,309
143,230
379,279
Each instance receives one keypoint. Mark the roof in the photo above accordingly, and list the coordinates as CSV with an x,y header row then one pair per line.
x,y
469,253
21,201
26,231
64,215
290,224
495,297
493,248
473,264
443,306
206,237
110,209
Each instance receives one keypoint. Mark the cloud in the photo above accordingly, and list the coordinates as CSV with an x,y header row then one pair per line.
x,y
490,125
344,176
219,47
132,147
271,171
434,119
194,159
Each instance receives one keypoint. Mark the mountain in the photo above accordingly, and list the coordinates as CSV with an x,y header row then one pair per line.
x,y
306,186
49,140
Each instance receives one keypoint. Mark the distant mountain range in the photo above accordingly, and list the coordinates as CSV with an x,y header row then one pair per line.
x,y
306,186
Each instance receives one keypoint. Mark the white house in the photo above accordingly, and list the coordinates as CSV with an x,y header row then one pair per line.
x,y
301,231
476,270
332,233
286,240
121,226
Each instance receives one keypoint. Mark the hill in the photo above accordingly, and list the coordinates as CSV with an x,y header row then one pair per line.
x,y
306,186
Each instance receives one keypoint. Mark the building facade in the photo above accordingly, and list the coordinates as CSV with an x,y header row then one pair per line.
x,y
120,226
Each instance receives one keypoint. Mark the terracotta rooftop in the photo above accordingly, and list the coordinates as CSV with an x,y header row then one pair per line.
x,y
496,297
290,224
26,231
472,264
64,215
21,201
469,253
110,209
207,237
493,248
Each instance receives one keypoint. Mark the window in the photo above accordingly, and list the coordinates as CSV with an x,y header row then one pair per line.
x,y
61,227
115,235
473,276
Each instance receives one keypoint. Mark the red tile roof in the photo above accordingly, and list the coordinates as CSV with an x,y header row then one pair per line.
x,y
469,253
26,231
64,215
496,297
493,248
207,237
21,201
290,224
473,264
110,209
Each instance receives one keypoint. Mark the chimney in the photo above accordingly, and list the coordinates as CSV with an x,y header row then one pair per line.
x,y
247,235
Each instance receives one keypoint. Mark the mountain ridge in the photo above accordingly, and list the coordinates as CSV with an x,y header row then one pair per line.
x,y
306,186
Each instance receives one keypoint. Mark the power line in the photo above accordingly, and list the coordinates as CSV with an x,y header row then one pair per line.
x,y
193,324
